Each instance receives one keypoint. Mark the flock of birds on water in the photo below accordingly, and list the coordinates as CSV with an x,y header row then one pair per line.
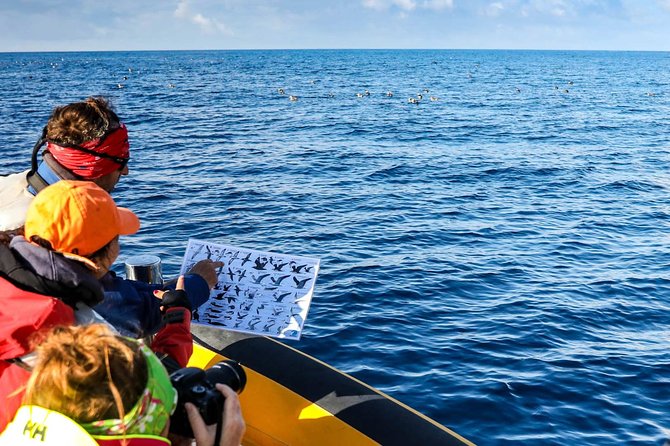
x,y
366,93
417,99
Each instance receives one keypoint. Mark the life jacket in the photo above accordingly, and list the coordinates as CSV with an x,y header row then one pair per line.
x,y
22,313
34,425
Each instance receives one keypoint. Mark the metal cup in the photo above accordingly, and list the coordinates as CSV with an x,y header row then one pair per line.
x,y
144,268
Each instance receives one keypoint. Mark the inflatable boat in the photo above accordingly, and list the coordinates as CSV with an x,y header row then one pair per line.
x,y
293,399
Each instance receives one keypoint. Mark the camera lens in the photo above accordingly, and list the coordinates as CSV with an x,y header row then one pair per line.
x,y
227,372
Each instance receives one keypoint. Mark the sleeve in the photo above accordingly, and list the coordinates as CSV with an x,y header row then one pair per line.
x,y
130,306
195,286
174,339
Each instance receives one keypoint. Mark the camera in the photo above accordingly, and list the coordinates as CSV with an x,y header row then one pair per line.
x,y
197,386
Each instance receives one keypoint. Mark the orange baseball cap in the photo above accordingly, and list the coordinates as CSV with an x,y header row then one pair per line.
x,y
78,217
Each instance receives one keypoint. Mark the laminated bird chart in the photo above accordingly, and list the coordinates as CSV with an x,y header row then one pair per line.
x,y
258,292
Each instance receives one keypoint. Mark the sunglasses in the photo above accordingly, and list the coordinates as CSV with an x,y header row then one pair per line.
x,y
121,161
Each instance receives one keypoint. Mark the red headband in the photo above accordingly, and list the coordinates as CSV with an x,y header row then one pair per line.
x,y
111,153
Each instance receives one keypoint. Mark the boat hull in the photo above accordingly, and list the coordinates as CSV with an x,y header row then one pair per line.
x,y
292,398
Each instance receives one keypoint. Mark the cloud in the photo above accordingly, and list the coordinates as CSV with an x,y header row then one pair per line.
x,y
555,8
494,9
381,5
408,5
665,4
438,5
207,25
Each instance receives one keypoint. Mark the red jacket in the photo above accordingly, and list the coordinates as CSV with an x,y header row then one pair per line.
x,y
23,313
174,339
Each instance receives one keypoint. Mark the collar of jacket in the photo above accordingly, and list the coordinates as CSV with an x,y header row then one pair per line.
x,y
50,273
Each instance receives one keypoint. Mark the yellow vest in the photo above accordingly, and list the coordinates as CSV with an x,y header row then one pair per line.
x,y
34,425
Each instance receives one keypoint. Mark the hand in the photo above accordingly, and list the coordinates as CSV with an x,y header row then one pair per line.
x,y
174,298
207,270
232,422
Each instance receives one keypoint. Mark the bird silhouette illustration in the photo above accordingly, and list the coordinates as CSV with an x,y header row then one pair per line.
x,y
260,264
234,256
278,280
252,323
281,297
300,284
297,268
246,259
279,266
257,280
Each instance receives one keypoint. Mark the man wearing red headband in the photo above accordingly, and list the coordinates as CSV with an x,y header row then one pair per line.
x,y
84,141
87,141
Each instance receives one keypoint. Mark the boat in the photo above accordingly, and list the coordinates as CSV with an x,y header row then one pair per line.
x,y
291,398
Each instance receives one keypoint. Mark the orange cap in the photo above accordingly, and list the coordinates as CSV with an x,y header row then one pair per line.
x,y
78,217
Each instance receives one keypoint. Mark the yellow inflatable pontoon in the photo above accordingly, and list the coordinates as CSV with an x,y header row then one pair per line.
x,y
294,399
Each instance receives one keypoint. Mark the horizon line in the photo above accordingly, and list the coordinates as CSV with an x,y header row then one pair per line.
x,y
330,49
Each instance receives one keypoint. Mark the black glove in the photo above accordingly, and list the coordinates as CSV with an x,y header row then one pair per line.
x,y
175,298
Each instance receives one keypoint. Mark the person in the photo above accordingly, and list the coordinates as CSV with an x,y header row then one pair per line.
x,y
51,276
84,141
91,387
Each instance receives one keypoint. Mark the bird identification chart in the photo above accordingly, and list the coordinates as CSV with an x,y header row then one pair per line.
x,y
263,293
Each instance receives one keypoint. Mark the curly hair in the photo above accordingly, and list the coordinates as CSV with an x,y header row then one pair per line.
x,y
78,122
87,373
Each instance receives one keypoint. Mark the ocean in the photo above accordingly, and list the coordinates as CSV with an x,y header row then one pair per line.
x,y
496,257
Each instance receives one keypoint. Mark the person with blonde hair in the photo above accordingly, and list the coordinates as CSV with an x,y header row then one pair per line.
x,y
91,387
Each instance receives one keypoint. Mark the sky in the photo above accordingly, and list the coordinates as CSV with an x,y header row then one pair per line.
x,y
100,25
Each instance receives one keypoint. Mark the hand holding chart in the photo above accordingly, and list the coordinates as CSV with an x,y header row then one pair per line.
x,y
257,292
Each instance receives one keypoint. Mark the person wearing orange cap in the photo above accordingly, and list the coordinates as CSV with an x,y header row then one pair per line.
x,y
85,141
51,276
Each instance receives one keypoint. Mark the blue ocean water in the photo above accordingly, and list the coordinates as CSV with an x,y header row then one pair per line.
x,y
497,258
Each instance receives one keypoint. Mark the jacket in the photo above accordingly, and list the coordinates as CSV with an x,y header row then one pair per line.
x,y
41,288
34,425
24,313
16,194
129,306
14,201
132,308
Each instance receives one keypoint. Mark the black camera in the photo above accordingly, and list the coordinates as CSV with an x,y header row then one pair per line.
x,y
197,386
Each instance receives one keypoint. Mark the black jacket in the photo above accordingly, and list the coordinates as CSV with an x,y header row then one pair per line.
x,y
33,268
